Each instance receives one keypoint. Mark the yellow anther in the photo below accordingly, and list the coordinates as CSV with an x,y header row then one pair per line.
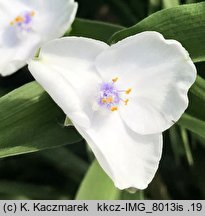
x,y
109,100
33,13
126,101
115,79
19,19
114,108
104,100
11,23
128,91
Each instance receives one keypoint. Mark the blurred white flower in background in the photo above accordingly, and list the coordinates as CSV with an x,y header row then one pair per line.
x,y
120,98
26,24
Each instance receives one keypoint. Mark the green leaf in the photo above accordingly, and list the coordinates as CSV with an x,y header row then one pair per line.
x,y
93,29
97,185
22,190
187,148
176,143
197,99
184,23
31,121
67,162
194,118
198,89
9,83
193,124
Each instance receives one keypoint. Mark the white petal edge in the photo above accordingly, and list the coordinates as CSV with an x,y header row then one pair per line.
x,y
160,73
129,159
49,23
14,58
55,18
66,71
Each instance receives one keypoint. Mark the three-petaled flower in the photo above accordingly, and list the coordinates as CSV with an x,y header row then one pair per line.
x,y
120,97
26,25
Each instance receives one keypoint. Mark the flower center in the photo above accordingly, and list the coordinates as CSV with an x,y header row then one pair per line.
x,y
110,97
23,21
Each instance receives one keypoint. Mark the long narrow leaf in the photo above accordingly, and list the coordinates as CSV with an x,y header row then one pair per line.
x,y
31,121
184,23
93,29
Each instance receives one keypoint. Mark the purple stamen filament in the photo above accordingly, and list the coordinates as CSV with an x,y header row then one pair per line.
x,y
24,21
110,95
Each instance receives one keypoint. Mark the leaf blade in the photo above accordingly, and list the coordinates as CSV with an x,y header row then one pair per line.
x,y
31,121
97,185
93,29
193,124
184,23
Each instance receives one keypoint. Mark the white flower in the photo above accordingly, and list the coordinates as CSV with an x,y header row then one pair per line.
x,y
26,24
120,98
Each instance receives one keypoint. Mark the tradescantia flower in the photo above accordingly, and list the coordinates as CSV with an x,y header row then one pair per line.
x,y
26,24
120,97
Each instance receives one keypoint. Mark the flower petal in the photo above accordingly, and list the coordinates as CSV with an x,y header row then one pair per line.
x,y
14,58
65,69
130,159
159,72
51,20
